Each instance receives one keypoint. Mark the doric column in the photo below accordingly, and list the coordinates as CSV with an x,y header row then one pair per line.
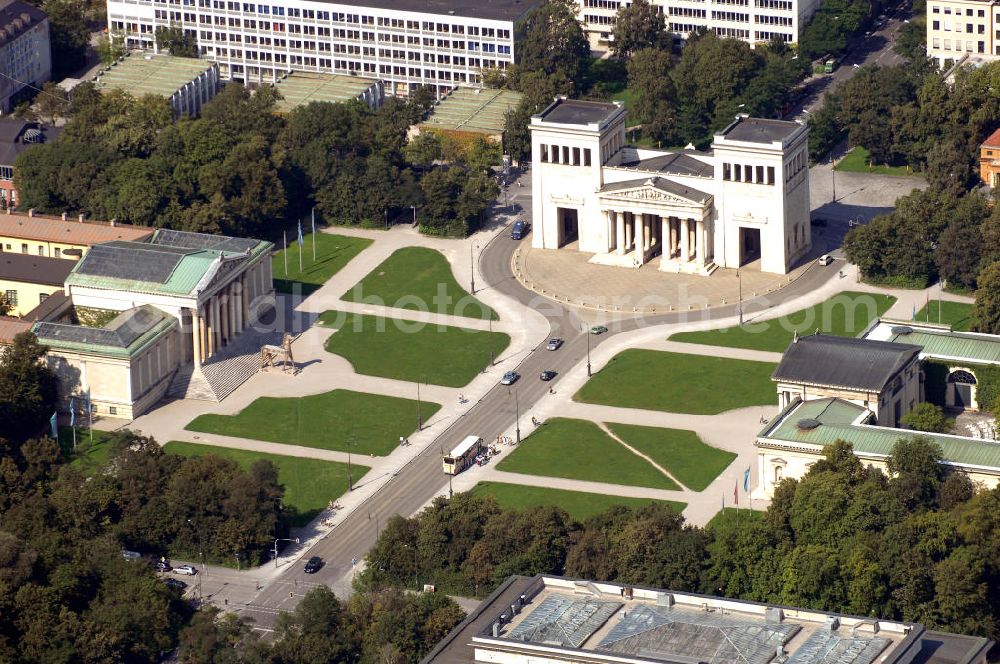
x,y
620,240
203,334
654,231
699,242
231,309
628,230
196,337
640,240
647,236
665,233
672,225
216,327
245,301
685,239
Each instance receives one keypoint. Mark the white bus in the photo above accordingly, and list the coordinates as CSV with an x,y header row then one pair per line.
x,y
463,456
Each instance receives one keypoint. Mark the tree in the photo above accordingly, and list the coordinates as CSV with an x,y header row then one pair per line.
x,y
27,388
110,47
551,41
639,26
656,96
52,102
177,41
928,417
68,36
960,248
911,40
986,310
949,167
423,150
915,471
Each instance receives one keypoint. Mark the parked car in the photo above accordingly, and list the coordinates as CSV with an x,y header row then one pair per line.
x,y
175,584
519,230
598,329
163,566
510,378
186,570
825,259
547,375
313,565
554,343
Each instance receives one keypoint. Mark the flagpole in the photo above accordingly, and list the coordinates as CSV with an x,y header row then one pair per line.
x,y
284,237
314,232
300,245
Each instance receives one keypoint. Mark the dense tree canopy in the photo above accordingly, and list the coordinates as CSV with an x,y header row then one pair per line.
x,y
638,26
28,388
551,41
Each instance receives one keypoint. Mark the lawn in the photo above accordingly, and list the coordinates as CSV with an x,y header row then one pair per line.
x,y
88,457
681,452
580,505
731,517
338,420
332,253
310,484
580,450
417,352
856,161
680,383
846,314
420,279
956,314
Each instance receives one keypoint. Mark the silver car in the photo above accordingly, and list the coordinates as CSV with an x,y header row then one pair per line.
x,y
554,343
510,378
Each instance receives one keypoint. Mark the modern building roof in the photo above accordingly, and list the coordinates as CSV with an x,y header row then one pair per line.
x,y
476,110
496,10
172,263
125,335
16,136
160,75
760,130
16,18
993,140
661,184
579,112
553,618
10,327
844,362
821,422
673,163
939,342
54,229
28,269
301,88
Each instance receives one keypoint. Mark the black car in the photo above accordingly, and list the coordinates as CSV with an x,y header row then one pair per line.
x,y
519,230
163,566
175,584
547,375
313,565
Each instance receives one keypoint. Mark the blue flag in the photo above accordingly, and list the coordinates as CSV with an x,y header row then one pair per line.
x,y
72,413
746,481
301,241
55,429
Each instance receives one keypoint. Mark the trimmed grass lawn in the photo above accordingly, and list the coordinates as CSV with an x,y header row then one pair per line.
x,y
731,517
310,484
580,505
417,352
679,383
856,161
332,253
846,314
328,421
956,314
420,279
680,451
579,450
88,458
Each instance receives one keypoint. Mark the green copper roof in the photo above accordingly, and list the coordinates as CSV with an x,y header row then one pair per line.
x,y
186,274
954,345
835,418
128,334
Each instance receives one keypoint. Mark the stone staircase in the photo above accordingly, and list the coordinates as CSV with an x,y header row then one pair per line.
x,y
225,371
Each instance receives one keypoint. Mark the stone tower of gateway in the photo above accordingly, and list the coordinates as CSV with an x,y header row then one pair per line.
x,y
746,200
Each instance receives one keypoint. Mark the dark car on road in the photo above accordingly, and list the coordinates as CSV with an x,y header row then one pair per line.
x,y
175,584
547,375
519,230
313,565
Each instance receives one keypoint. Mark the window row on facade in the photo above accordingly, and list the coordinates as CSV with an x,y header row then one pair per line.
x,y
748,173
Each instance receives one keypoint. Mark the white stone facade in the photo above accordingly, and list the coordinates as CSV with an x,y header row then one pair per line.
x,y
746,200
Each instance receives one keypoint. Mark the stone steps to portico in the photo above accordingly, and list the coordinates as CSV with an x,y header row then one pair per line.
x,y
229,368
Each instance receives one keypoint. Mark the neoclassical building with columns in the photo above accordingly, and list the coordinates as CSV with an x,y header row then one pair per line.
x,y
747,200
135,315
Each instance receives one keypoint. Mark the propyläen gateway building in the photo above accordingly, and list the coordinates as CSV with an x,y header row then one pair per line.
x,y
746,200
440,43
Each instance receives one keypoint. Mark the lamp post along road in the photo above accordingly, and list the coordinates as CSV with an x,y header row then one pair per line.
x,y
739,280
472,267
517,417
281,539
587,332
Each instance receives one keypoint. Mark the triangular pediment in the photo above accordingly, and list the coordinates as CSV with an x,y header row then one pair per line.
x,y
656,190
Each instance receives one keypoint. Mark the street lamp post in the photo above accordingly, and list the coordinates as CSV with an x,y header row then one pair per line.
x,y
472,267
517,418
281,539
352,442
739,279
587,332
420,419
414,208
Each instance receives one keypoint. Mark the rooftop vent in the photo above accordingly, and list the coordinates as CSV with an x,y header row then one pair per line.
x,y
902,330
808,424
773,615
